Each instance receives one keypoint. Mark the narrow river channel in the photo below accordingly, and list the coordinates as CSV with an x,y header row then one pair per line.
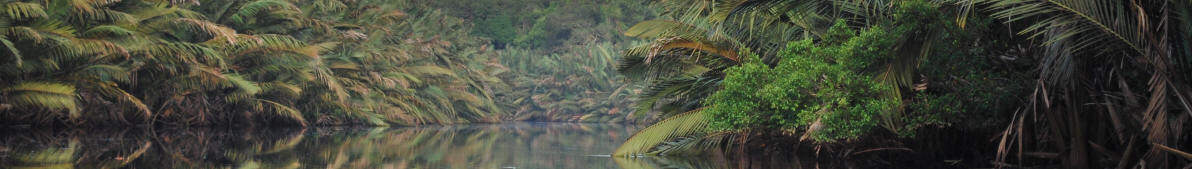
x,y
519,145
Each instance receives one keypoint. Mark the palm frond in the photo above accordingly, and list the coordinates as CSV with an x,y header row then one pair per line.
x,y
683,91
53,156
23,33
108,31
53,27
429,70
665,28
240,83
162,12
111,90
103,72
253,9
698,143
679,126
1101,24
17,59
24,10
284,111
285,89
218,33
54,96
101,48
104,15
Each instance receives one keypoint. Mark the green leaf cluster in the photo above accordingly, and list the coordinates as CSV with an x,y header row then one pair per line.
x,y
829,84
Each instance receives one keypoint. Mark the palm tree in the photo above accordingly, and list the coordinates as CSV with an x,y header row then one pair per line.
x,y
368,73
1149,38
53,65
202,62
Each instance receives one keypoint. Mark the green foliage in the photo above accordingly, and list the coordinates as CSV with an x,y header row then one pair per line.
x,y
536,36
178,67
576,86
560,55
840,82
830,83
964,87
911,66
319,62
499,27
548,25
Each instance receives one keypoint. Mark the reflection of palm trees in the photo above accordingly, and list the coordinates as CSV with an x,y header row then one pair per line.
x,y
544,145
50,150
491,146
53,157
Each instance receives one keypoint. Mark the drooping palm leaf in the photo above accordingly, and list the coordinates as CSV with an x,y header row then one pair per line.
x,y
283,111
54,96
24,10
682,125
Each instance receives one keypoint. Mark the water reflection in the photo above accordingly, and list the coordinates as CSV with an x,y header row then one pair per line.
x,y
514,145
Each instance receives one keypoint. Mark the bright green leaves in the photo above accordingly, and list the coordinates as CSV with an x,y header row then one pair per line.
x,y
830,83
837,87
499,27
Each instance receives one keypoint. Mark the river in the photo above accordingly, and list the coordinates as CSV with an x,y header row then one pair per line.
x,y
519,145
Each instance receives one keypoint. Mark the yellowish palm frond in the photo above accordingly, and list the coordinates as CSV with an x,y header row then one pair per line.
x,y
429,70
53,156
682,125
219,33
255,8
24,10
284,111
48,95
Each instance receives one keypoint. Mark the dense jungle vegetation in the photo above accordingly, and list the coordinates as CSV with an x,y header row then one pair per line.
x,y
303,62
1003,83
933,83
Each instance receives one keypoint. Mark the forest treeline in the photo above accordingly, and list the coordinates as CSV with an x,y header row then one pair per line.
x,y
929,83
310,62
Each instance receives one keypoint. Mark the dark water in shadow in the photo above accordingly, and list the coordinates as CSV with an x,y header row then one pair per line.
x,y
511,145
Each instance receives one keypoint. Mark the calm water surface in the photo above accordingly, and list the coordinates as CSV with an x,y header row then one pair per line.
x,y
510,145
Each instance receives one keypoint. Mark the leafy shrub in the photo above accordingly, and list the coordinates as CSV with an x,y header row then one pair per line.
x,y
847,83
829,83
499,28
